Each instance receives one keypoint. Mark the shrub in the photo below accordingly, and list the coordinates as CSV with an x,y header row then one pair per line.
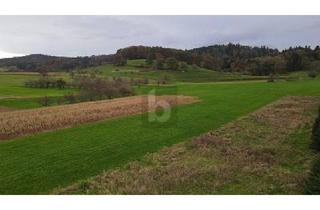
x,y
60,83
183,66
312,74
271,78
119,60
313,184
316,133
60,100
92,89
71,98
195,67
45,101
160,61
149,61
46,82
172,63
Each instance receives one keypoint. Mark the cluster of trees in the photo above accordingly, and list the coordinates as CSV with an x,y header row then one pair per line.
x,y
230,57
289,60
170,63
92,89
213,57
90,86
39,62
46,82
235,50
158,57
119,60
143,52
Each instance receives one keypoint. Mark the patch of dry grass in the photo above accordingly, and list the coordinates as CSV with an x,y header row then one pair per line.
x,y
17,123
257,154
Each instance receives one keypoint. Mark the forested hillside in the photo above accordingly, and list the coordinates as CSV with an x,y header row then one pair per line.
x,y
39,62
228,58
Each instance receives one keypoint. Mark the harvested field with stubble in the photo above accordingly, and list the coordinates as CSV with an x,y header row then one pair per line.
x,y
22,122
266,152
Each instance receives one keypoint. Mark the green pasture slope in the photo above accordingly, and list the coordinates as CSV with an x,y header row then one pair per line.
x,y
37,164
138,70
14,94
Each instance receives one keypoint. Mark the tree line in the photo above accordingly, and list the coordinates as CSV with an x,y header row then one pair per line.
x,y
39,62
229,58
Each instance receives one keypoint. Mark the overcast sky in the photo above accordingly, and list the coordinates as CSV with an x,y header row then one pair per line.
x,y
93,35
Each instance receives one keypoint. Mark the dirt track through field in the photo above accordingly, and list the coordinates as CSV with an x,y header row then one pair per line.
x,y
22,122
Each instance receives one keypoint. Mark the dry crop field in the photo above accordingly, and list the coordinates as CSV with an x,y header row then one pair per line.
x,y
21,122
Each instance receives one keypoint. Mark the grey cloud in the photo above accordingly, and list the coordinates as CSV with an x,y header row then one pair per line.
x,y
87,35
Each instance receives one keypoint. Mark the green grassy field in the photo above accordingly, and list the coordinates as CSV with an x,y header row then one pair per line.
x,y
39,163
138,70
14,94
